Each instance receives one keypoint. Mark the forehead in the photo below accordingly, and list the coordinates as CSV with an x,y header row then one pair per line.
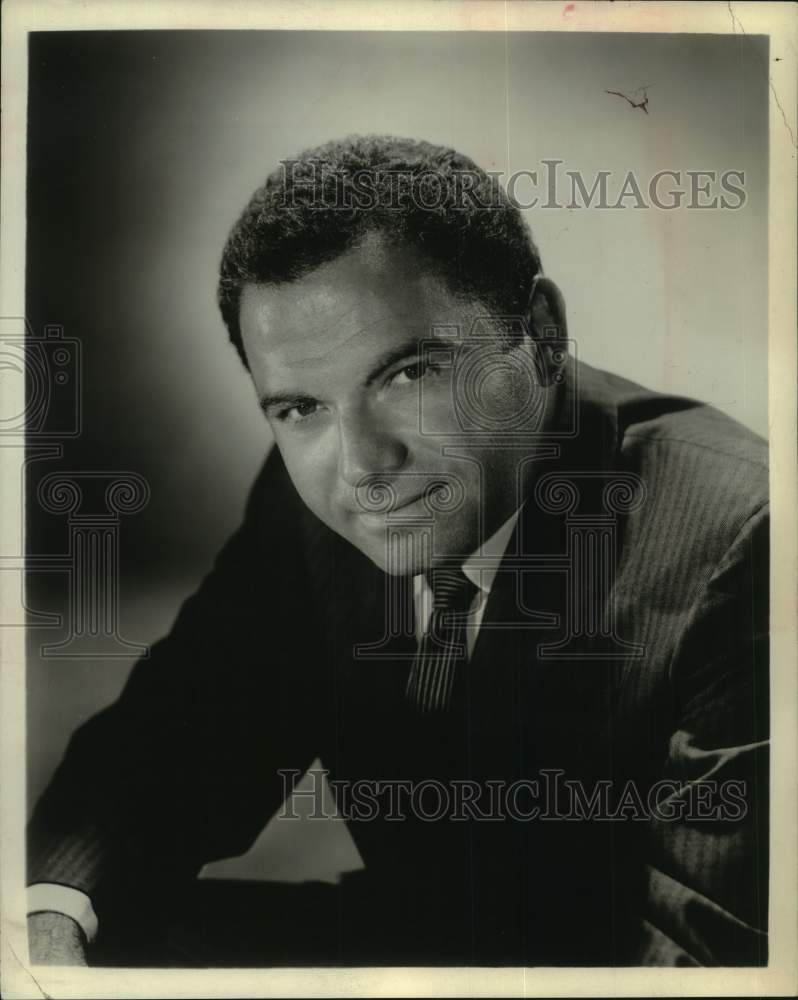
x,y
360,301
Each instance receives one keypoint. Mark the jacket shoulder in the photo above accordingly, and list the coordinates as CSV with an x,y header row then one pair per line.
x,y
697,428
704,473
655,428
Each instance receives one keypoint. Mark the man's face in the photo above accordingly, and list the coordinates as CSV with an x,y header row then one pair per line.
x,y
369,425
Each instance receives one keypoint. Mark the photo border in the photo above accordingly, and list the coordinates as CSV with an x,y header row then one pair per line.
x,y
780,23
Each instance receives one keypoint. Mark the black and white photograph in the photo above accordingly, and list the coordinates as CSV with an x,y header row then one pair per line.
x,y
392,415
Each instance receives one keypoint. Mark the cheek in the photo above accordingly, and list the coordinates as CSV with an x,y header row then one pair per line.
x,y
433,412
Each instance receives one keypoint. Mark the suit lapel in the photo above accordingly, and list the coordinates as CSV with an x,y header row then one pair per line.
x,y
528,708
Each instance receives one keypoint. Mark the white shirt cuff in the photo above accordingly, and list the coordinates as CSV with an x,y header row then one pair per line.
x,y
49,897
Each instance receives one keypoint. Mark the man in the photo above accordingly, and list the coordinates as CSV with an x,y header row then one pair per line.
x,y
517,606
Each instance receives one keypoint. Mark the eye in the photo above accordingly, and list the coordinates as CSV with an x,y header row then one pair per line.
x,y
411,373
299,412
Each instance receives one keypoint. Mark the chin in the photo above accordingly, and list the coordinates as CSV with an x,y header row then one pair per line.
x,y
408,551
400,553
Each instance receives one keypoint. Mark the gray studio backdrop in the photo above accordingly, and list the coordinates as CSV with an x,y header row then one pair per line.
x,y
144,147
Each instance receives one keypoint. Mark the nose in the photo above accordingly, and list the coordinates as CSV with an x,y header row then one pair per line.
x,y
367,447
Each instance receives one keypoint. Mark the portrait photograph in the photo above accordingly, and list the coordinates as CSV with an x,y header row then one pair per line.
x,y
398,439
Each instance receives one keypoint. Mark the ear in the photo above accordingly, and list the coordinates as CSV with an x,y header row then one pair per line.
x,y
549,329
546,312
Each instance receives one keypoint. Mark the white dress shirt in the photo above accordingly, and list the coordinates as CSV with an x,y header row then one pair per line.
x,y
480,568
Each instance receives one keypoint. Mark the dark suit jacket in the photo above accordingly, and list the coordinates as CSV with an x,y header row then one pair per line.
x,y
624,643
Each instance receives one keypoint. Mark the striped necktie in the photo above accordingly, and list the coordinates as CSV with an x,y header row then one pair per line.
x,y
431,680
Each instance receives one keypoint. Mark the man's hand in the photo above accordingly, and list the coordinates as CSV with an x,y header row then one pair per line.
x,y
54,939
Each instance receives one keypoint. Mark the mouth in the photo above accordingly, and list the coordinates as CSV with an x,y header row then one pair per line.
x,y
406,505
381,516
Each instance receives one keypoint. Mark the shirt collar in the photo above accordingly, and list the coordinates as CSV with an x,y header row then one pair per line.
x,y
482,566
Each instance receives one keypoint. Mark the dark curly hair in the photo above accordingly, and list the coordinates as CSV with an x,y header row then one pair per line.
x,y
313,209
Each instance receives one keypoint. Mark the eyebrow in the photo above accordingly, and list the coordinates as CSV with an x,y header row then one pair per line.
x,y
405,350
272,401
